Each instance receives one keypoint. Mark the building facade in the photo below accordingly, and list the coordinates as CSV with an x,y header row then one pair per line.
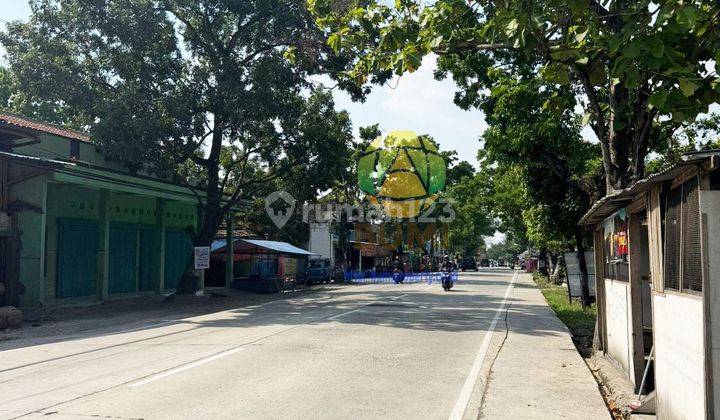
x,y
75,226
657,259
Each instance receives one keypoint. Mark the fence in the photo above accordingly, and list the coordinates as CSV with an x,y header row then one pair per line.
x,y
363,277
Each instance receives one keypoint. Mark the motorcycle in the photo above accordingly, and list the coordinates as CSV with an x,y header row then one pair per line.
x,y
398,276
447,281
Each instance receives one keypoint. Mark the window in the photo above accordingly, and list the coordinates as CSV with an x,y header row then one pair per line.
x,y
616,247
74,149
683,259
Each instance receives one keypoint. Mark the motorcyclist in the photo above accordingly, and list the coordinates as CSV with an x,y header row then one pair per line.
x,y
398,265
399,269
446,269
447,265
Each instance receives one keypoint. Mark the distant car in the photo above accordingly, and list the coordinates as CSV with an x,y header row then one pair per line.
x,y
484,262
468,263
318,271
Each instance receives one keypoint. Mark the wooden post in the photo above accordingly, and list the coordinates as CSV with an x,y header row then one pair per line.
x,y
103,254
635,283
599,243
230,250
160,252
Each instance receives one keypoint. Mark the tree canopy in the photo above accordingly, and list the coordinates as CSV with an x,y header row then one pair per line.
x,y
638,68
160,82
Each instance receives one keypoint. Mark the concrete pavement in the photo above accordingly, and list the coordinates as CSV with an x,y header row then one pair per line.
x,y
374,351
538,372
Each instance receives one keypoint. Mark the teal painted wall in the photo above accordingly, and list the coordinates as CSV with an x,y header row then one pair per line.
x,y
31,224
133,254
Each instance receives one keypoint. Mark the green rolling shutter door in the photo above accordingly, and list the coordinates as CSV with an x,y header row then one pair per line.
x,y
77,258
123,259
148,252
178,250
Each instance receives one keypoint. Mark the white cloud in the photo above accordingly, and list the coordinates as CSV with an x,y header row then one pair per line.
x,y
422,104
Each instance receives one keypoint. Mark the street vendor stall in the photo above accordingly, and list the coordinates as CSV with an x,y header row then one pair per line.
x,y
258,265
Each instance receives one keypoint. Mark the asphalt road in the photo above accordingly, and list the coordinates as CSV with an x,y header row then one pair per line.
x,y
406,351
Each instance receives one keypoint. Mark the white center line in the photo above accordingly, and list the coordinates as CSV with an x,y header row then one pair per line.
x,y
464,398
179,369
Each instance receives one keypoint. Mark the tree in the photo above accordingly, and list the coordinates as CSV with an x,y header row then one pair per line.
x,y
331,164
639,67
160,82
472,221
549,166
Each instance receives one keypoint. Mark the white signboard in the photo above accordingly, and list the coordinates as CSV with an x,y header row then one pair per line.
x,y
573,273
202,257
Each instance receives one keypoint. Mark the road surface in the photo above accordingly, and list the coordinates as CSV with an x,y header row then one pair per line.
x,y
406,351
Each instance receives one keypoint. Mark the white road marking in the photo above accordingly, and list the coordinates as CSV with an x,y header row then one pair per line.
x,y
208,359
464,398
347,313
182,368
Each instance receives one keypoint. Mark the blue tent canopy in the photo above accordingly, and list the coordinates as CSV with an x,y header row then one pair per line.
x,y
257,246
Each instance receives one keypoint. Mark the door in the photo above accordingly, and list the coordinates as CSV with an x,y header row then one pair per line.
x,y
77,258
148,256
122,276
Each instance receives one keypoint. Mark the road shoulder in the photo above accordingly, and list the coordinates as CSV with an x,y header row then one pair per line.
x,y
538,372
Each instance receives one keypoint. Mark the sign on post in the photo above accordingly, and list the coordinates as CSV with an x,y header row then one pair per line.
x,y
202,257
572,268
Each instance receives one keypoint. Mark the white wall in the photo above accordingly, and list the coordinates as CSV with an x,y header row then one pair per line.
x,y
679,357
710,207
321,240
617,309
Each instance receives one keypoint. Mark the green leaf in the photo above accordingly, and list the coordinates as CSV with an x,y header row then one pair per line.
x,y
687,87
580,33
556,73
656,47
631,51
632,78
686,16
436,42
511,27
586,118
334,41
578,6
563,53
290,55
582,61
665,13
658,99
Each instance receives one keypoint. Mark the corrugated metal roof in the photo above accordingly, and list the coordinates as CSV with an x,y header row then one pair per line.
x,y
278,247
37,159
44,127
609,204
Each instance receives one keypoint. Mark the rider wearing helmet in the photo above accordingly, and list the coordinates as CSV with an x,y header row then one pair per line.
x,y
447,264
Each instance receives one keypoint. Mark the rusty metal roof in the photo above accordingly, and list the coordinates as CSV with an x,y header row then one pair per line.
x,y
28,123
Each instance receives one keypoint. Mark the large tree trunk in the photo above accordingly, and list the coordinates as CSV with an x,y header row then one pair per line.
x,y
543,262
580,246
212,211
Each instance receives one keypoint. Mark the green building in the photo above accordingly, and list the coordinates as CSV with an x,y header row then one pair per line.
x,y
75,226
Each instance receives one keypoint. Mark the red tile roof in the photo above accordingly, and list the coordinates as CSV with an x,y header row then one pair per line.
x,y
43,127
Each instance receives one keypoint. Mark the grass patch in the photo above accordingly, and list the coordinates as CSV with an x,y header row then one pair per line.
x,y
580,322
